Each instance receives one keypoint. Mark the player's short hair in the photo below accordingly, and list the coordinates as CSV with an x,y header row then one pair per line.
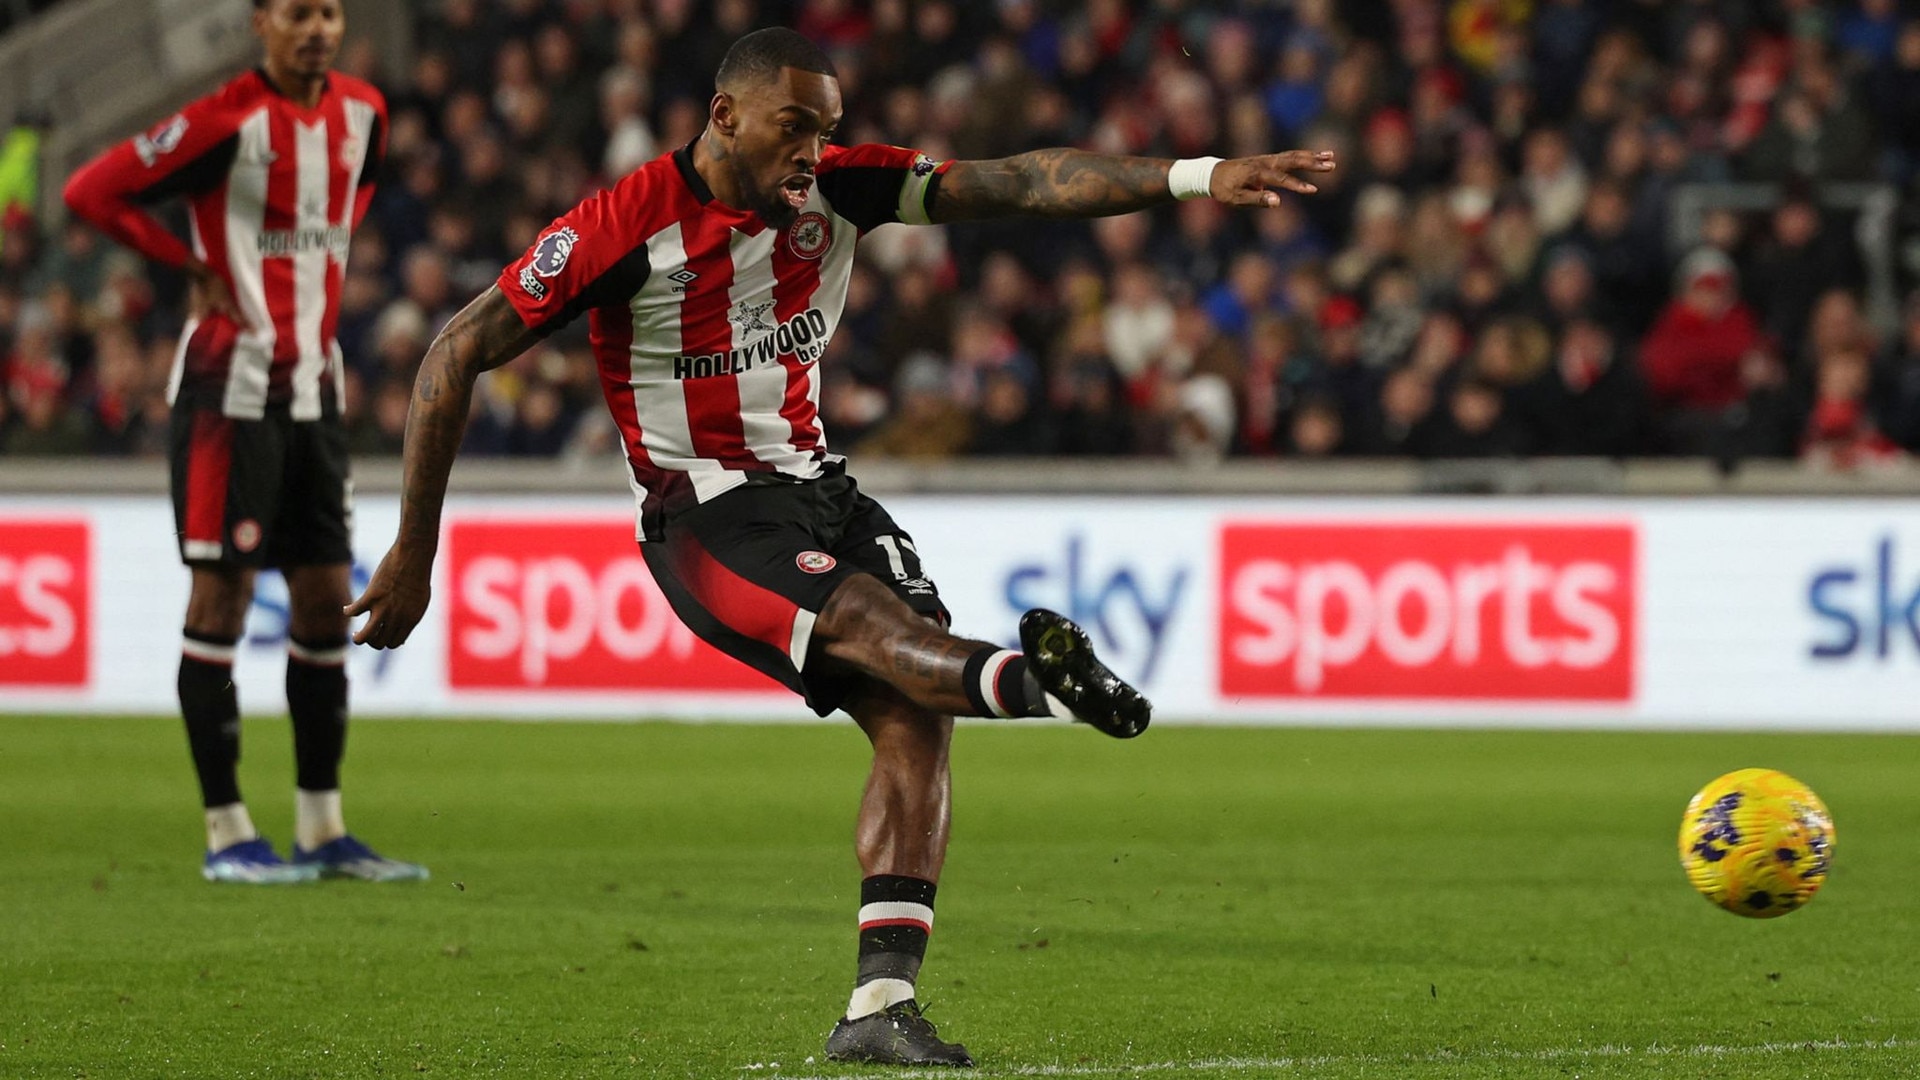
x,y
759,56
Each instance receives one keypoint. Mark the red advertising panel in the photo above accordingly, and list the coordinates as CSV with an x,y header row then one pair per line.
x,y
1390,609
570,605
46,582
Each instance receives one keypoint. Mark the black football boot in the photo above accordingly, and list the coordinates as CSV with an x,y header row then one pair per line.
x,y
1060,656
899,1034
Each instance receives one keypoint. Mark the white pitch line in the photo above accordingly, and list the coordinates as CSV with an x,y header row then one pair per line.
x,y
1319,1062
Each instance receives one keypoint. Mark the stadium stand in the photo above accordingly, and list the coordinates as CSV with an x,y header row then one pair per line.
x,y
1563,227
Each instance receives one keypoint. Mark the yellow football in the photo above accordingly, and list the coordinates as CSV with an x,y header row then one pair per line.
x,y
1757,842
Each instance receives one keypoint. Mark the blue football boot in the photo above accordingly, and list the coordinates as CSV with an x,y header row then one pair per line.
x,y
254,862
347,857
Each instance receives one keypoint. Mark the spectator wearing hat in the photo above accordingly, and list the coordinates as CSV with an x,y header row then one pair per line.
x,y
1693,358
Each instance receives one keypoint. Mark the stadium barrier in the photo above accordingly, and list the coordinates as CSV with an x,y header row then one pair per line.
x,y
1593,611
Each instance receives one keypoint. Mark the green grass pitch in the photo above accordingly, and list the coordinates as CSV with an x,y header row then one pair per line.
x,y
661,900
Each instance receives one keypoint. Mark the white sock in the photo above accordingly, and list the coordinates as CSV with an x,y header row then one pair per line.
x,y
869,998
316,818
229,825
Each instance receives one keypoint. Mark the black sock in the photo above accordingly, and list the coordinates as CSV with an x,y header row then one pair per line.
x,y
896,915
998,684
211,708
317,700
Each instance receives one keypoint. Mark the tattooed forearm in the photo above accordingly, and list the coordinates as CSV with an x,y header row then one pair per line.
x,y
1051,183
485,335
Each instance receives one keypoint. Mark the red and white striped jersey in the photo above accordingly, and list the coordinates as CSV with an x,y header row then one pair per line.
x,y
274,191
709,325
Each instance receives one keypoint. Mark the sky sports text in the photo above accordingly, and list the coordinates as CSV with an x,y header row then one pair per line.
x,y
1128,610
45,585
570,605
1869,609
1519,612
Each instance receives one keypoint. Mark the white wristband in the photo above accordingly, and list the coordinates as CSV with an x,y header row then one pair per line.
x,y
1191,178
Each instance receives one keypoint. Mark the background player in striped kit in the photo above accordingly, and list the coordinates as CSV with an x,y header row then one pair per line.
x,y
713,277
277,168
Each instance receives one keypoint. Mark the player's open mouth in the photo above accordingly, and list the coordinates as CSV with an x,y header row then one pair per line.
x,y
794,189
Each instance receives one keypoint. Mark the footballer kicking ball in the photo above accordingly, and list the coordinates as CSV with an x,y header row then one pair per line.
x,y
1757,842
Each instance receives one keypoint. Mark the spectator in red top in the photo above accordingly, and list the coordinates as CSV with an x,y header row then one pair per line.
x,y
1693,354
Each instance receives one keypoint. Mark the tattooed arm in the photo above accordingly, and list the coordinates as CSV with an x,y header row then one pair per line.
x,y
1076,184
486,334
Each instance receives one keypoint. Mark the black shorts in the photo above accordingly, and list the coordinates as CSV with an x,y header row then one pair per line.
x,y
253,493
750,570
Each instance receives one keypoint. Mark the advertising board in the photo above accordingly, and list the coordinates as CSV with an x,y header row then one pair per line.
x,y
1783,614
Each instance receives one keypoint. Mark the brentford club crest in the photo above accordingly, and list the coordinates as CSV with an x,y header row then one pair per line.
x,y
810,235
815,562
246,535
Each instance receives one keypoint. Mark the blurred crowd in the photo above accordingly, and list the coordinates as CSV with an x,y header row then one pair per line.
x,y
1497,268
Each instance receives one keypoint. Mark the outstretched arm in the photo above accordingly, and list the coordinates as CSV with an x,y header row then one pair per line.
x,y
486,334
1077,184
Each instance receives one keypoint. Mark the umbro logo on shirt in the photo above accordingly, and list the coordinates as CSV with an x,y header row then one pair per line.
x,y
681,279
